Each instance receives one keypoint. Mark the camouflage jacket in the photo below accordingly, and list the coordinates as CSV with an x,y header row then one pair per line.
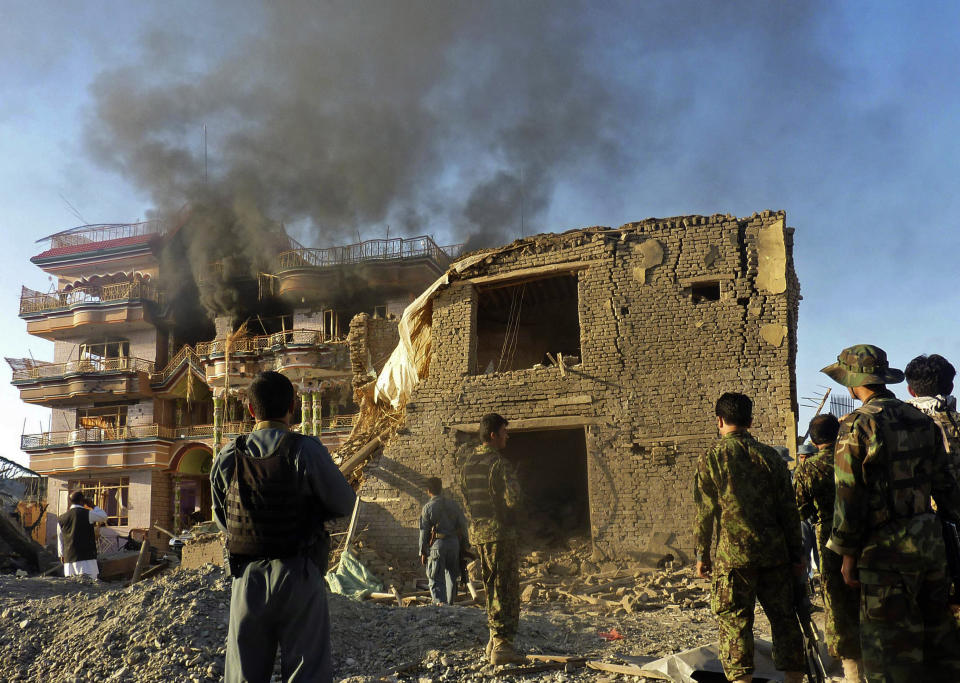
x,y
743,487
943,411
491,491
890,460
815,488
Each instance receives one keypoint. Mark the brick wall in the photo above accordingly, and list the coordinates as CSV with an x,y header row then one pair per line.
x,y
161,504
653,364
371,341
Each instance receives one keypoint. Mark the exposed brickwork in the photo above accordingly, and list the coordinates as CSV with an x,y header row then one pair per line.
x,y
653,364
371,340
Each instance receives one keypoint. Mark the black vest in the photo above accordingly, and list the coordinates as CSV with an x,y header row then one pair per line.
x,y
79,541
267,516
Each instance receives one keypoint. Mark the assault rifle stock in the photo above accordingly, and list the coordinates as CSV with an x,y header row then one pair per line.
x,y
816,672
951,539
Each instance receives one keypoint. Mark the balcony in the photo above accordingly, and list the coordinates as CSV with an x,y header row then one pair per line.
x,y
81,381
300,354
53,314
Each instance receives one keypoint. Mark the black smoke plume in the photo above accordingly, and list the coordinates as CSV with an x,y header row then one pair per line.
x,y
459,119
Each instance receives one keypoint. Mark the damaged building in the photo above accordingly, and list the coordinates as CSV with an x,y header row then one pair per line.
x,y
606,349
140,401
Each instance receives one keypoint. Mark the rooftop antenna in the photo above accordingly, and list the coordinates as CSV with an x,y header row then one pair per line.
x,y
523,232
73,209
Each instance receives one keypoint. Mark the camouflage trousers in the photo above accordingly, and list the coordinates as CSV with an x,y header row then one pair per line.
x,y
733,600
500,571
842,606
906,629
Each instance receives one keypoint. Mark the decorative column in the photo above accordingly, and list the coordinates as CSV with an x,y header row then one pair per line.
x,y
317,412
305,412
217,424
176,503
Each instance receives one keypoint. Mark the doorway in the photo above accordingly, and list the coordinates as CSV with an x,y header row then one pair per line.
x,y
552,469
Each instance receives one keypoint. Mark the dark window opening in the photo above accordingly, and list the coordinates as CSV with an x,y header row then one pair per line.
x,y
552,469
705,291
380,311
519,325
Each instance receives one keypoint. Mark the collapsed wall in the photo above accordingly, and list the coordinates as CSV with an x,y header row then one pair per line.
x,y
606,349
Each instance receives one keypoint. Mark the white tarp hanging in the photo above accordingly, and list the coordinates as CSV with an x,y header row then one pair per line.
x,y
407,363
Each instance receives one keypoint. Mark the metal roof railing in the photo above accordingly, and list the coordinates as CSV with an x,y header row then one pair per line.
x,y
396,249
103,232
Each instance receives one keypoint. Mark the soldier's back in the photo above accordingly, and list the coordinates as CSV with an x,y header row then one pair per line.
x,y
749,477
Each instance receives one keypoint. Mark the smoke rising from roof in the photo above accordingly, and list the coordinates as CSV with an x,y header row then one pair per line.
x,y
444,117
346,115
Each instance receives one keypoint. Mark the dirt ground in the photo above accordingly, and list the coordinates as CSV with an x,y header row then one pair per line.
x,y
172,628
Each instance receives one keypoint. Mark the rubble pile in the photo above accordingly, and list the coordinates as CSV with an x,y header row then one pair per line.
x,y
571,576
174,628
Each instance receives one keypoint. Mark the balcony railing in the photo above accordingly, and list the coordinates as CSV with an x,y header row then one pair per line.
x,y
396,249
33,442
38,302
107,232
96,435
82,367
301,337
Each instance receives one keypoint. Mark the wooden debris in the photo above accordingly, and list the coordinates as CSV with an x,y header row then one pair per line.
x,y
627,669
143,559
563,659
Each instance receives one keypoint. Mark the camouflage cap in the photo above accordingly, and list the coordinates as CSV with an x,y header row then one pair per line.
x,y
863,364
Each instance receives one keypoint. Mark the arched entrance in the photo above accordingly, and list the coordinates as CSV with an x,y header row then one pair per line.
x,y
191,499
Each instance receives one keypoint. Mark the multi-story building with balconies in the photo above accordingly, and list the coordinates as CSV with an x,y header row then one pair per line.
x,y
139,404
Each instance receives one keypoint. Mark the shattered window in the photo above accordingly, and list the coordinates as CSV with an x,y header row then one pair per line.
x,y
111,495
527,324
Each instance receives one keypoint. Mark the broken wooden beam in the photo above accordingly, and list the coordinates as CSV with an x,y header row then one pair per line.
x,y
143,559
627,669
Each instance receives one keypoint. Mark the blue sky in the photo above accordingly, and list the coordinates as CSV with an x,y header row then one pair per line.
x,y
843,114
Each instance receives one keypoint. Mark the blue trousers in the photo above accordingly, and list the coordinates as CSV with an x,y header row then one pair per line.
x,y
279,602
443,569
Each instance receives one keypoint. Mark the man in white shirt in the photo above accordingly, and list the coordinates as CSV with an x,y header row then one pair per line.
x,y
76,541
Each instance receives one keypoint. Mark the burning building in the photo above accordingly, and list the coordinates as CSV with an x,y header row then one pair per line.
x,y
140,401
606,349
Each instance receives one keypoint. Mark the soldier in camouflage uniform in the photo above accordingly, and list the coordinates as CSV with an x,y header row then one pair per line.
x,y
814,485
492,493
743,487
890,459
930,383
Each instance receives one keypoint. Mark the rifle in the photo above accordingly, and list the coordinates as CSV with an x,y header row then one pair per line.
x,y
951,539
816,672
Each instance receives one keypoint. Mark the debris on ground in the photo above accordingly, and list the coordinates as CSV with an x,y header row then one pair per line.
x,y
173,627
